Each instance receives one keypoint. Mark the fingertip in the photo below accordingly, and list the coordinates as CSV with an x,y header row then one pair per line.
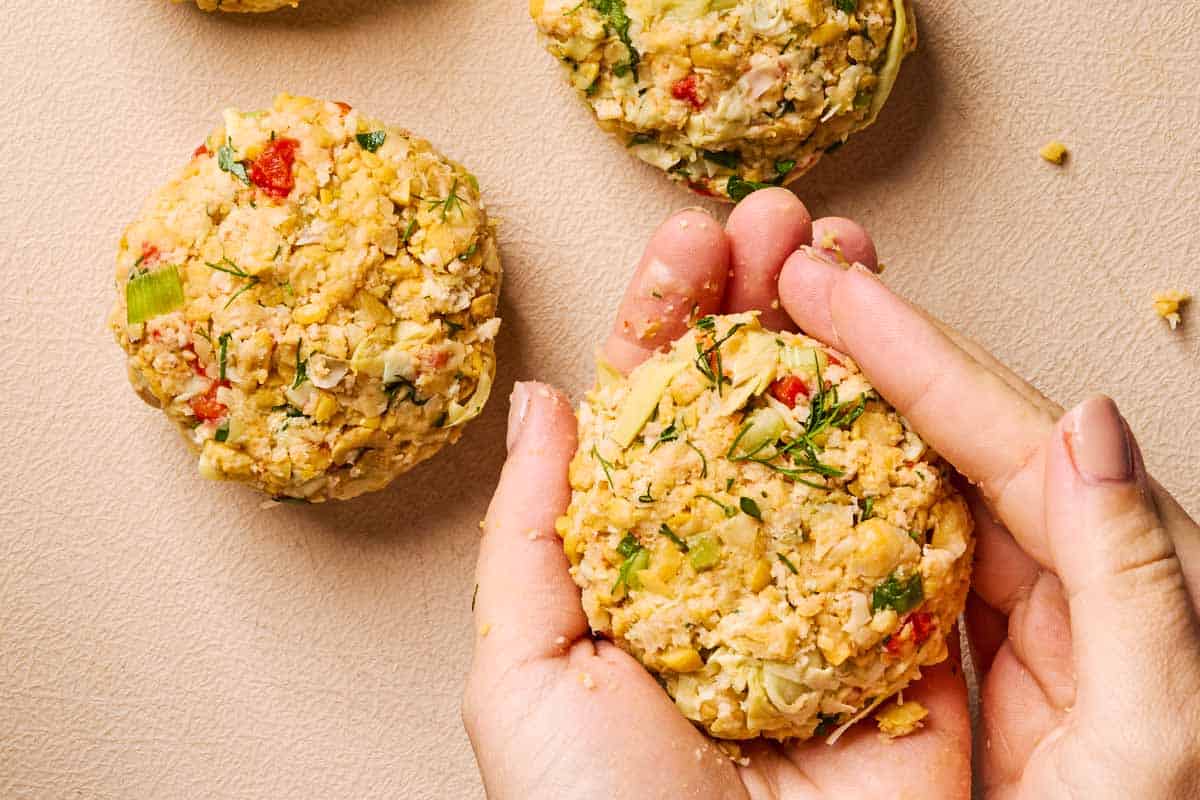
x,y
763,230
805,291
681,274
540,421
844,241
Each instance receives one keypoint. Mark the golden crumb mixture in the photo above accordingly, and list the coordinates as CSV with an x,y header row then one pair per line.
x,y
312,300
761,531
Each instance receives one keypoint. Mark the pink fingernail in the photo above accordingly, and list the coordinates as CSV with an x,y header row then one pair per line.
x,y
1098,442
518,407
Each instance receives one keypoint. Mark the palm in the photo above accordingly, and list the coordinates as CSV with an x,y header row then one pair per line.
x,y
595,699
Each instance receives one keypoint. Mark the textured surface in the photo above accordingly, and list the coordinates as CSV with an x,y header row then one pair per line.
x,y
161,636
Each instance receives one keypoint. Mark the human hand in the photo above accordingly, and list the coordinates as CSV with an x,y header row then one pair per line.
x,y
1087,575
554,714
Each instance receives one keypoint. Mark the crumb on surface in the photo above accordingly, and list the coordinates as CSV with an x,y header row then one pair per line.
x,y
485,629
1055,152
901,719
1168,305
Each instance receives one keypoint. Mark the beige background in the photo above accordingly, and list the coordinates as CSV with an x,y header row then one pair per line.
x,y
161,636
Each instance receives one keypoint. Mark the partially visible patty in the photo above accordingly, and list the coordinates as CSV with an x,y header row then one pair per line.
x,y
730,95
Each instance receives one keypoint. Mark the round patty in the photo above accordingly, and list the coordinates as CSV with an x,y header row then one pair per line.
x,y
751,522
312,299
729,96
244,5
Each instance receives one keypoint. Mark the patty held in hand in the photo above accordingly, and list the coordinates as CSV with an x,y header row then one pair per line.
x,y
757,527
312,300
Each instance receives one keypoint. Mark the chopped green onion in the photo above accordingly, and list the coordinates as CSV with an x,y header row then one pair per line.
x,y
153,294
301,367
222,431
222,349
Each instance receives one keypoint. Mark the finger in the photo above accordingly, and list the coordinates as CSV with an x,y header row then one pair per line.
x,y
1185,533
1016,719
681,276
763,230
1004,574
844,241
975,419
1131,615
526,605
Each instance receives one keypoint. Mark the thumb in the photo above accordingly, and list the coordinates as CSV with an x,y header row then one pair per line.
x,y
526,605
1131,614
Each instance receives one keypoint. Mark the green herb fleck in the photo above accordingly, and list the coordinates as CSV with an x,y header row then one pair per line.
x,y
750,508
670,534
606,466
408,231
868,509
451,202
222,350
787,563
849,6
714,370
397,385
902,595
301,367
470,251
669,434
703,460
637,558
827,722
230,268
371,141
646,497
227,163
615,18
728,510
222,431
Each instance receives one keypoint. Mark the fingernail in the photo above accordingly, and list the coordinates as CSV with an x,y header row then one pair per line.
x,y
1098,442
518,407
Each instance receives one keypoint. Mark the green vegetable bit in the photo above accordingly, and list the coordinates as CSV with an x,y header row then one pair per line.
x,y
704,552
637,558
222,432
787,563
728,510
371,141
153,294
738,188
750,508
868,509
613,12
228,163
605,465
849,6
900,594
301,367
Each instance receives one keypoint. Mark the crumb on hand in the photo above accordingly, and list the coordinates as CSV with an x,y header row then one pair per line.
x,y
1168,304
1055,152
586,679
901,719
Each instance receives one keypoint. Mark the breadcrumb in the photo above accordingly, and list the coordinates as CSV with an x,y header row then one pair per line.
x,y
586,679
1168,305
1055,152
485,629
901,719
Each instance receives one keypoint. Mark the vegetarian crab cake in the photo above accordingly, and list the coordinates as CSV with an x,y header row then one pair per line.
x,y
730,96
752,523
312,299
243,5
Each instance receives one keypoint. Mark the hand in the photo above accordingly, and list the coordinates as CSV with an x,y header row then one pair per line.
x,y
1087,576
553,713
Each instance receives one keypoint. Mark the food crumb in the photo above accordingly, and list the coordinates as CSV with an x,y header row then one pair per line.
x,y
901,719
485,629
1168,305
1055,152
532,535
586,679
560,641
